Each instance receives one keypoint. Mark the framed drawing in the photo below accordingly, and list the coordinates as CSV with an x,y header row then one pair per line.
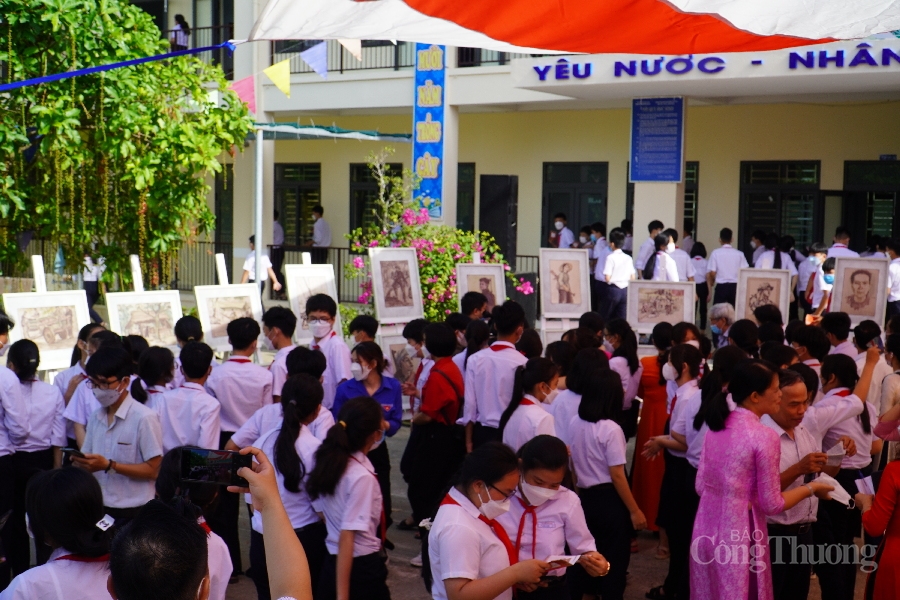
x,y
860,288
565,283
151,315
51,320
652,302
487,279
302,282
394,346
395,285
759,287
218,305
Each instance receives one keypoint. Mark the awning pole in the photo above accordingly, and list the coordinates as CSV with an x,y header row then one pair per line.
x,y
259,206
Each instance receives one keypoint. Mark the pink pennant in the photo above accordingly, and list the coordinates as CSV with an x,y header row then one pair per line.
x,y
246,91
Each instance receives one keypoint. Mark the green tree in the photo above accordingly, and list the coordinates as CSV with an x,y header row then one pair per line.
x,y
114,160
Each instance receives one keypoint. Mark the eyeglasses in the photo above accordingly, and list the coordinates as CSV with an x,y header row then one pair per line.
x,y
502,493
102,385
320,321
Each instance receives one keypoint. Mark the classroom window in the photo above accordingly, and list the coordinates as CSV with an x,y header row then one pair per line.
x,y
364,193
298,187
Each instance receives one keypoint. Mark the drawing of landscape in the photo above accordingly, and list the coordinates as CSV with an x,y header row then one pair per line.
x,y
152,320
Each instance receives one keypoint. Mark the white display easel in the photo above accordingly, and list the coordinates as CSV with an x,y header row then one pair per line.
x,y
40,279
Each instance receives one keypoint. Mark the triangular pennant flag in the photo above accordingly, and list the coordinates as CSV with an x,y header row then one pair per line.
x,y
354,47
246,91
280,74
317,58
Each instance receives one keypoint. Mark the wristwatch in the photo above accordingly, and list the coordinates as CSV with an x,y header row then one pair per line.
x,y
110,466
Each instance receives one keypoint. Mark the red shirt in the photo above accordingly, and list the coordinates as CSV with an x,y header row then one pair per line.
x,y
443,392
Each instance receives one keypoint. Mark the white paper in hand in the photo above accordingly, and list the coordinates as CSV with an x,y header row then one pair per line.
x,y
568,561
836,455
865,485
838,493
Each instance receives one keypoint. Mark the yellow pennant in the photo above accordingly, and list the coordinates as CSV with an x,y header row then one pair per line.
x,y
280,74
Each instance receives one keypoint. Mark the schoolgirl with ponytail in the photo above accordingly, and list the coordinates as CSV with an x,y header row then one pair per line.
x,y
156,369
345,487
187,329
293,448
660,266
526,417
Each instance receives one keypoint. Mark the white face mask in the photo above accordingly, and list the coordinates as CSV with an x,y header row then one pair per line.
x,y
838,494
359,373
669,373
319,328
582,239
753,245
379,441
106,398
551,396
4,348
670,247
493,508
425,352
412,351
267,344
537,495
559,225
461,339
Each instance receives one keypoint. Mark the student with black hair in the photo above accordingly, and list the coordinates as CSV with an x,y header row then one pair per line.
x,y
65,508
565,406
777,353
807,273
745,335
196,502
723,269
137,345
458,323
530,344
687,242
490,377
626,364
292,448
547,519
582,337
618,272
563,356
279,324
474,305
773,257
650,245
593,321
599,254
415,348
598,458
248,274
123,443
187,329
698,259
40,451
470,552
363,328
478,335
768,313
836,326
770,333
188,415
64,378
841,244
346,489
527,415
822,287
560,235
659,266
812,346
683,262
321,310
156,370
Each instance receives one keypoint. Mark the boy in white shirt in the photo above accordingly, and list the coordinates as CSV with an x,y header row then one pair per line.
x,y
279,324
647,249
687,240
806,272
618,272
561,236
321,310
681,257
249,273
841,244
723,269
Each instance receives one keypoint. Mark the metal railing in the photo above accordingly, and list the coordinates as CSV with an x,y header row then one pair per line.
x,y
375,55
197,264
210,36
476,57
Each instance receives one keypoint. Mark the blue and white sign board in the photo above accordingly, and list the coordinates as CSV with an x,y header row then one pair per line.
x,y
657,140
428,126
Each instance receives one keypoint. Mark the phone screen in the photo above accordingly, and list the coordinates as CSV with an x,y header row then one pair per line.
x,y
877,342
218,467
73,452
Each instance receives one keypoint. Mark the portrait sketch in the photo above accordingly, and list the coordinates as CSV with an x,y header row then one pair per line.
x,y
218,305
51,320
860,288
151,315
304,281
395,284
487,279
761,287
652,302
565,282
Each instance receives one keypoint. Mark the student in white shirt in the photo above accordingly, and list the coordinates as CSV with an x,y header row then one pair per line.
x,y
822,287
40,451
626,364
598,256
866,335
806,273
414,332
470,552
321,239
546,518
68,380
628,244
598,457
660,266
757,244
649,246
91,273
561,236
477,336
698,260
687,240
723,269
249,270
344,487
188,415
364,328
565,405
683,263
836,326
841,243
193,502
279,324
774,257
293,447
64,507
893,282
187,329
321,310
527,416
490,377
618,272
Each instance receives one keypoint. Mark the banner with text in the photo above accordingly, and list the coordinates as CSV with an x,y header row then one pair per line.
x,y
657,140
428,126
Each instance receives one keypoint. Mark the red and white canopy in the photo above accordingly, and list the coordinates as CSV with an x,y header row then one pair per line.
x,y
590,26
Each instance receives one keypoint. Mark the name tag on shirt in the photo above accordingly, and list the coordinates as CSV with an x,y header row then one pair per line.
x,y
547,525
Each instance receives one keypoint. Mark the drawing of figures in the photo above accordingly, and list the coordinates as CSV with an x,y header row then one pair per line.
x,y
565,293
660,305
52,328
397,285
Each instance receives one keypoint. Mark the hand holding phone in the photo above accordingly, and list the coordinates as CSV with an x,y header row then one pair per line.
x,y
216,467
73,452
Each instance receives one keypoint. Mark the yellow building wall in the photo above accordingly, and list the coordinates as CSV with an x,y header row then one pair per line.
x,y
518,143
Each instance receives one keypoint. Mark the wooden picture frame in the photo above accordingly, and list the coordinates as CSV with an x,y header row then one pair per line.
x,y
760,287
51,320
396,285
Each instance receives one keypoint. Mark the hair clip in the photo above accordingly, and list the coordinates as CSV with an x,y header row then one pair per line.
x,y
105,523
343,424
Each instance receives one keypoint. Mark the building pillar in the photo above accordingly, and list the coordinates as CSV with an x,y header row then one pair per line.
x,y
657,201
451,143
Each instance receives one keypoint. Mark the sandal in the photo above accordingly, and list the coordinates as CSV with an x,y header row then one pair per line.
x,y
662,553
656,594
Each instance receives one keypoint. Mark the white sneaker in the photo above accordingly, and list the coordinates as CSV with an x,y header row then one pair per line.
x,y
416,561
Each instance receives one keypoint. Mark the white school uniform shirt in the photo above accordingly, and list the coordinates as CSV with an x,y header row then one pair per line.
x,y
564,409
178,376
726,263
278,368
700,265
277,234
853,428
804,272
757,252
270,417
220,567
687,242
619,268
298,505
134,437
644,253
838,250
665,268
628,244
461,546
490,376
566,238
188,417
819,288
82,404
766,260
683,264
60,579
600,253
847,348
242,388
685,425
46,424
825,414
889,390
595,448
630,382
459,359
530,419
92,271
559,522
61,382
425,365
355,506
250,266
793,449
337,360
321,234
894,280
13,413
679,408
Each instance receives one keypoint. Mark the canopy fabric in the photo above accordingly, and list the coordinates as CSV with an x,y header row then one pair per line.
x,y
589,26
292,131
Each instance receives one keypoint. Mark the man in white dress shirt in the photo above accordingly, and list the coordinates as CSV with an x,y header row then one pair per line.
x,y
840,248
598,254
723,269
618,273
321,239
649,246
682,259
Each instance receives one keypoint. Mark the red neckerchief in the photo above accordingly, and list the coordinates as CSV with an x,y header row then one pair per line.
x,y
85,559
383,525
202,523
499,347
240,359
839,245
496,527
316,346
526,402
152,391
842,393
529,510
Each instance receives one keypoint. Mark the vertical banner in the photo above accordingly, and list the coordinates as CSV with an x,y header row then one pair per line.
x,y
657,140
428,126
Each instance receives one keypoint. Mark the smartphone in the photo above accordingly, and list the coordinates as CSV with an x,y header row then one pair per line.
x,y
877,342
217,467
73,452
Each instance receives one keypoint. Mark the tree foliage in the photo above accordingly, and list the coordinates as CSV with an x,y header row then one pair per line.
x,y
113,160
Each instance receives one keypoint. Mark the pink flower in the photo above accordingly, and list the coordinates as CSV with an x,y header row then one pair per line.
x,y
525,288
506,267
408,217
447,312
431,296
358,262
373,244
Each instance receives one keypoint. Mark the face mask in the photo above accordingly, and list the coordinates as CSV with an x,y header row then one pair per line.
x,y
106,398
411,350
550,398
670,247
267,344
537,495
582,239
461,339
493,508
838,493
319,328
559,225
425,352
378,441
315,217
813,259
716,329
669,373
829,279
593,238
359,373
753,245
5,347
28,527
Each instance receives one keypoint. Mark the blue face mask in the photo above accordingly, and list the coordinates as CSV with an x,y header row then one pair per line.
x,y
829,279
593,237
715,329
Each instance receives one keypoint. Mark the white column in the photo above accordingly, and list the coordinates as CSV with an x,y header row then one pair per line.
x,y
451,163
657,201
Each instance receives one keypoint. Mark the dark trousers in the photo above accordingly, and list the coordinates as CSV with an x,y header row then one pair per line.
x,y
616,302
484,434
224,519
684,503
368,578
312,537
725,292
790,578
92,291
598,295
7,500
381,460
893,309
26,465
610,523
630,419
702,291
431,458
277,257
557,589
837,525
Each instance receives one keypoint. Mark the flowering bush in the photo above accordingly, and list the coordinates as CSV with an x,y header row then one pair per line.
x,y
401,223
